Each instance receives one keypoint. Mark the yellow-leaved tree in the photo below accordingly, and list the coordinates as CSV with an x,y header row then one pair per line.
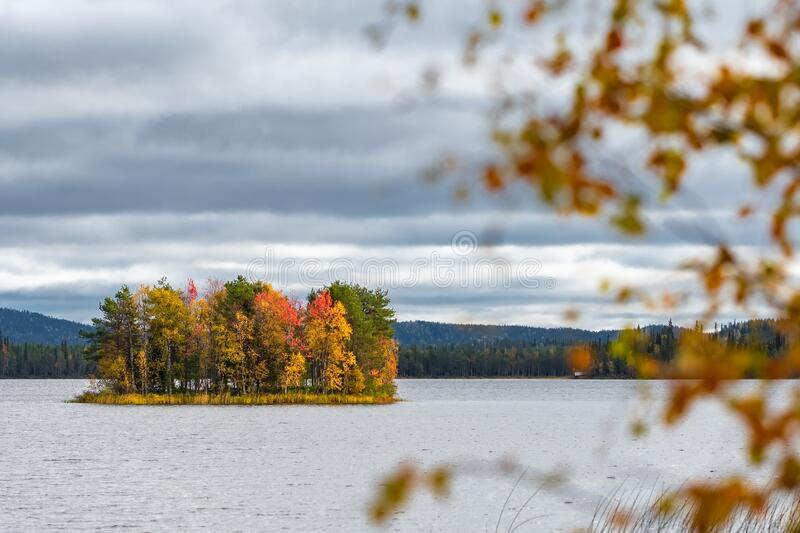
x,y
327,332
293,371
168,323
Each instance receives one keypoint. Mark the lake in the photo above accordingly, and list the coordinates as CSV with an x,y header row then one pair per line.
x,y
75,467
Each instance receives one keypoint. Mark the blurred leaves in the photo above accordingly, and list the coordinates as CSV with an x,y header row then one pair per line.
x,y
629,219
407,478
549,150
619,81
495,19
580,358
412,11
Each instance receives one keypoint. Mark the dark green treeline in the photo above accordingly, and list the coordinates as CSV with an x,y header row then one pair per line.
x,y
18,361
526,359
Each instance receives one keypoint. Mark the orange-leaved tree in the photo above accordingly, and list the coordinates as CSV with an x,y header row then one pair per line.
x,y
277,325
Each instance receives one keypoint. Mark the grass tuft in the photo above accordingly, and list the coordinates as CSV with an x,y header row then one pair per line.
x,y
781,515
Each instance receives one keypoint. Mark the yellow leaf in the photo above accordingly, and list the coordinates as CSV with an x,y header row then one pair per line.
x,y
495,19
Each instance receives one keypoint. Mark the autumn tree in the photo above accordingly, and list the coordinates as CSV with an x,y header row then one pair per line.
x,y
371,317
229,354
239,296
293,371
191,294
141,359
385,375
326,334
278,337
169,327
114,342
199,347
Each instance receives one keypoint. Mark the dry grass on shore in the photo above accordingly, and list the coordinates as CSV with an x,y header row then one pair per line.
x,y
292,397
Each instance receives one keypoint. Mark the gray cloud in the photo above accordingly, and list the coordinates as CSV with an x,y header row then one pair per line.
x,y
346,162
146,138
124,49
268,228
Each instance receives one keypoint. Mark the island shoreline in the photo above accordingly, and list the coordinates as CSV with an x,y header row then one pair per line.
x,y
262,399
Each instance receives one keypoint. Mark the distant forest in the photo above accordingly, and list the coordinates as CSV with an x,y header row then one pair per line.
x,y
427,349
43,361
509,357
421,333
33,345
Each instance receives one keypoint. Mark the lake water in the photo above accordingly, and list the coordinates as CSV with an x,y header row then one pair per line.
x,y
78,467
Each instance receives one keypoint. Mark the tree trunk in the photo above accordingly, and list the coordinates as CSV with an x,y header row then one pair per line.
x,y
169,371
130,356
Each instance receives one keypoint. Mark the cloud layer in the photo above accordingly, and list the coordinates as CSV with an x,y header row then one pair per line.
x,y
190,138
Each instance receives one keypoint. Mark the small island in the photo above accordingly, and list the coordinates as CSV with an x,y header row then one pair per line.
x,y
242,343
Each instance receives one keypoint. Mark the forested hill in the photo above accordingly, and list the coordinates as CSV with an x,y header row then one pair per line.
x,y
26,327
420,333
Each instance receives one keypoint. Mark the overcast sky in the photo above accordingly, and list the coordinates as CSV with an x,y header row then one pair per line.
x,y
210,138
